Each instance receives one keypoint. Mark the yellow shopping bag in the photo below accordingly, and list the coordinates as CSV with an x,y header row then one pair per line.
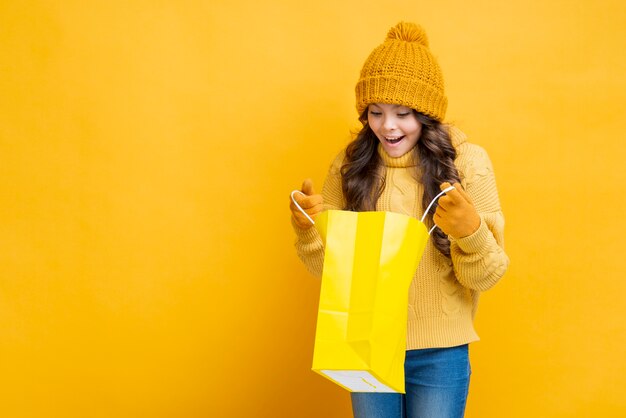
x,y
369,261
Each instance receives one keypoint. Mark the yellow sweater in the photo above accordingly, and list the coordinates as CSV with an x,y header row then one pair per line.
x,y
444,293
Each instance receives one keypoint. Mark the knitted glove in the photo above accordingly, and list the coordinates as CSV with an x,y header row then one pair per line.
x,y
456,214
311,203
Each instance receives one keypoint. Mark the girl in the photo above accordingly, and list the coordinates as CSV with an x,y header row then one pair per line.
x,y
400,160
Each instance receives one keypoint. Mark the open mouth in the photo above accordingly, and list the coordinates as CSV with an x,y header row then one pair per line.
x,y
394,140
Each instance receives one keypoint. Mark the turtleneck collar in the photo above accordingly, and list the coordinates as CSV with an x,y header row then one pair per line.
x,y
407,160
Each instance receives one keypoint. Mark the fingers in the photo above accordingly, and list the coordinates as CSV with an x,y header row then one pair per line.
x,y
444,203
311,210
455,214
437,216
300,219
307,202
462,192
439,219
307,187
454,196
308,198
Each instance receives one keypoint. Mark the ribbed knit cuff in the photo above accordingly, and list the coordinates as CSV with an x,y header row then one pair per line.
x,y
305,235
476,242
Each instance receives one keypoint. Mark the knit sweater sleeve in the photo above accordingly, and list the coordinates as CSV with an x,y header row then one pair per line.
x,y
308,243
479,260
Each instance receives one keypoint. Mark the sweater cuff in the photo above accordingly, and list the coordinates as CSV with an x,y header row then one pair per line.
x,y
305,235
475,242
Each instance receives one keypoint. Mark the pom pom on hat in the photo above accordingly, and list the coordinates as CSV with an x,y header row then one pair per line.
x,y
409,32
403,71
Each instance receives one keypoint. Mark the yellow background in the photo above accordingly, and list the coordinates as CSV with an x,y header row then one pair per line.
x,y
147,151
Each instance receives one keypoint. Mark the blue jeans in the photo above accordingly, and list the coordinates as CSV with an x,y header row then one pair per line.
x,y
437,383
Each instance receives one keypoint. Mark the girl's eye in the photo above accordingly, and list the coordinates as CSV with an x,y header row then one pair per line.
x,y
374,113
402,115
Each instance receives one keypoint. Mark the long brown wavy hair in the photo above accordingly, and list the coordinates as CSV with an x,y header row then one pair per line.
x,y
362,173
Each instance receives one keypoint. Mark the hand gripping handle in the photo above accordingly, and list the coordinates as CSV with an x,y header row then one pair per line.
x,y
444,191
432,202
299,207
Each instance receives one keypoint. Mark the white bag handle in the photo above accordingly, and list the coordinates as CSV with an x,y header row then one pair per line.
x,y
432,202
299,207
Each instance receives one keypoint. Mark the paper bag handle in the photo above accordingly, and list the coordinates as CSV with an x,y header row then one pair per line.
x,y
432,202
299,207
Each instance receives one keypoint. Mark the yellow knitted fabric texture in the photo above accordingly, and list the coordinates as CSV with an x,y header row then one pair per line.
x,y
403,71
444,294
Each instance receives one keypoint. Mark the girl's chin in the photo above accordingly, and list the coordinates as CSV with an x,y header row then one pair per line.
x,y
396,154
395,151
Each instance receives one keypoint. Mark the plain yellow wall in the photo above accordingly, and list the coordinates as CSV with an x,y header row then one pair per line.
x,y
147,151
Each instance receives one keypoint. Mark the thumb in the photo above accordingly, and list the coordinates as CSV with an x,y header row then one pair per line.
x,y
307,187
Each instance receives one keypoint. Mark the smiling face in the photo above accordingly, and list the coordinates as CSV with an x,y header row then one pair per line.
x,y
395,126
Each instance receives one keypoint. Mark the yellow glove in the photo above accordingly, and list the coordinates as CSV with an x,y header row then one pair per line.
x,y
311,203
456,214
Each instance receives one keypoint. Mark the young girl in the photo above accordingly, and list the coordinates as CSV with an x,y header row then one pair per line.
x,y
400,160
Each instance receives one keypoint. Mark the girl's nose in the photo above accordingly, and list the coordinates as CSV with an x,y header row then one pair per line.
x,y
389,123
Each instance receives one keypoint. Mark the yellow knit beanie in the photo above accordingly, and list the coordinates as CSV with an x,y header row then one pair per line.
x,y
403,71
